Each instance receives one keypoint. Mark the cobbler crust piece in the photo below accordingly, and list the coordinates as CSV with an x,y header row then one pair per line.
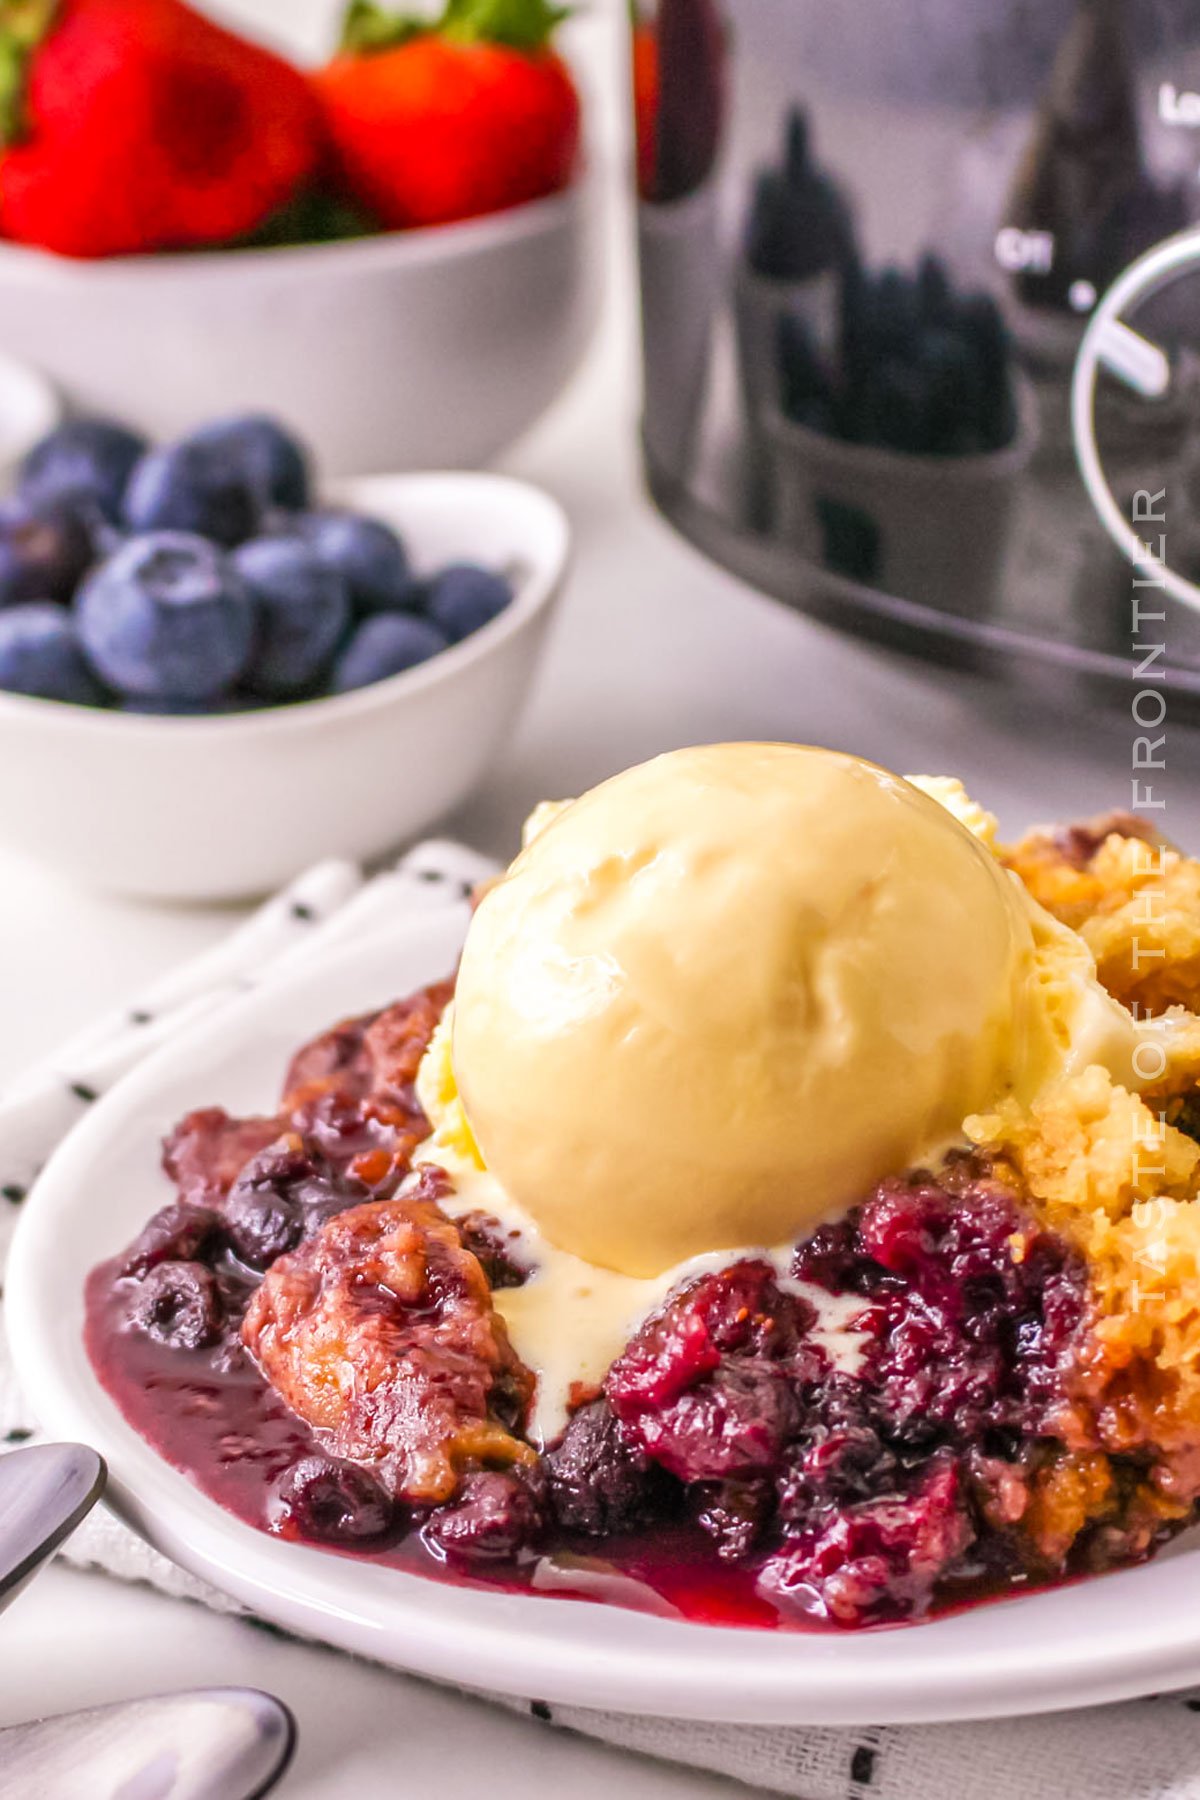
x,y
205,1152
379,1331
351,1089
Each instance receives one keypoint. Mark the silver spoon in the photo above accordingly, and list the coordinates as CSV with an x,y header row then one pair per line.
x,y
211,1744
45,1491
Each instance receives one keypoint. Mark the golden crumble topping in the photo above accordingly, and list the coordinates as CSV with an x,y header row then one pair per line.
x,y
1112,1170
1132,897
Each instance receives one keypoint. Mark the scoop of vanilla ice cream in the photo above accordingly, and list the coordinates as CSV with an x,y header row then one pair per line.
x,y
719,996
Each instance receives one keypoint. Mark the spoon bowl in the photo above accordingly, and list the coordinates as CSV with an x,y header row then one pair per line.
x,y
211,1744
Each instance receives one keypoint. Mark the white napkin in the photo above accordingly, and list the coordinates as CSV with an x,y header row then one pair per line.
x,y
1145,1750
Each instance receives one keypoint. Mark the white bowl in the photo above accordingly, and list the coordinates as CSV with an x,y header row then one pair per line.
x,y
229,805
29,408
417,349
1105,1638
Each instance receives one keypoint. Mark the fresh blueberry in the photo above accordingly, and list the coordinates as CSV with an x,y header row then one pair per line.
x,y
384,646
273,463
168,706
366,553
40,654
463,597
45,547
87,460
166,616
193,486
303,610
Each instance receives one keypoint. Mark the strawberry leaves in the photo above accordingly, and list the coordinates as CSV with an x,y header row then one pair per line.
x,y
368,28
23,25
525,25
521,24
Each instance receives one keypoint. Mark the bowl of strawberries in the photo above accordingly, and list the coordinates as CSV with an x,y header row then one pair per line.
x,y
396,249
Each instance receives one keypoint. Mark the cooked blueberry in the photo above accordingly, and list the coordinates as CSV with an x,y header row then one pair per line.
x,y
40,654
166,617
383,646
282,1194
332,1502
366,553
731,1426
192,486
496,1249
463,597
498,1513
880,1559
288,1166
734,1514
261,1225
273,463
263,1214
337,1197
839,1456
340,1125
599,1482
176,1233
87,460
179,1304
303,609
45,547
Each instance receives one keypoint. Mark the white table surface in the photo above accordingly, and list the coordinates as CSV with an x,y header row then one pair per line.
x,y
655,648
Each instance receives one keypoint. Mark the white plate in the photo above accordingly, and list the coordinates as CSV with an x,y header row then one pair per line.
x,y
1105,1639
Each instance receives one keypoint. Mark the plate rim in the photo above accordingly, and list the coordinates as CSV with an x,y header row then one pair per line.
x,y
560,1650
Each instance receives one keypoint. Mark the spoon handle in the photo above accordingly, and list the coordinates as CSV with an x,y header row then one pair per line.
x,y
45,1490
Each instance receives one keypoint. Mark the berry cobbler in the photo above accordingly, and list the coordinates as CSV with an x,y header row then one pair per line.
x,y
788,1215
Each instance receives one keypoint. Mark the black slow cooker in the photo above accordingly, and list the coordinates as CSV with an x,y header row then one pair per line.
x,y
874,240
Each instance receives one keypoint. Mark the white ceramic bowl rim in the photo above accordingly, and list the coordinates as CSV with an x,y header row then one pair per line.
x,y
29,406
415,245
535,586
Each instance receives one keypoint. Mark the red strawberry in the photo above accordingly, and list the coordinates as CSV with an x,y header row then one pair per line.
x,y
470,115
645,104
139,125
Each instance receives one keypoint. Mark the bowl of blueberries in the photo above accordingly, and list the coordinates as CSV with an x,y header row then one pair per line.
x,y
212,675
